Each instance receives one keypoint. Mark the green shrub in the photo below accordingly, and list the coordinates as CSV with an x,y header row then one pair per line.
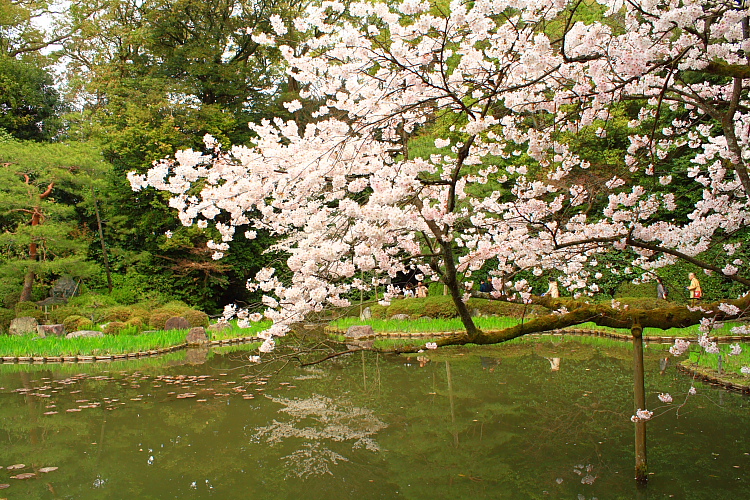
x,y
140,313
124,296
136,323
173,310
92,301
11,299
196,318
6,315
73,323
176,305
117,313
25,306
58,314
92,305
158,320
114,327
37,314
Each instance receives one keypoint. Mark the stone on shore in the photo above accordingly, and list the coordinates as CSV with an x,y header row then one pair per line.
x,y
177,323
196,336
359,332
366,314
84,333
51,330
217,327
23,326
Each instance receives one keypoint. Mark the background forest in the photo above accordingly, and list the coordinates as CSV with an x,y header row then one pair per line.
x,y
95,90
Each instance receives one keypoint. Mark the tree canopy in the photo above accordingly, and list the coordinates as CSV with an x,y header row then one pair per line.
x,y
517,80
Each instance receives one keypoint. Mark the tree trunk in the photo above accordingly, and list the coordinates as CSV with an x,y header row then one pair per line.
x,y
639,386
450,279
28,280
105,257
28,285
36,219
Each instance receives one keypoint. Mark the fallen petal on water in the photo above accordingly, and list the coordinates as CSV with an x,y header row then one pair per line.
x,y
25,475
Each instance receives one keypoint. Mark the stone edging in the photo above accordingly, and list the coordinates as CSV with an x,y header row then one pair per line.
x,y
581,331
117,357
710,377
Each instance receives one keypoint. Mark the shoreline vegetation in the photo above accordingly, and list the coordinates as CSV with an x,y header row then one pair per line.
x,y
31,346
416,326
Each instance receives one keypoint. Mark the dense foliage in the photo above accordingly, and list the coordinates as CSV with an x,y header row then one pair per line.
x,y
506,141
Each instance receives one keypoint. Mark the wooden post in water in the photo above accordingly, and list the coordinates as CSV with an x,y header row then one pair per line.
x,y
639,390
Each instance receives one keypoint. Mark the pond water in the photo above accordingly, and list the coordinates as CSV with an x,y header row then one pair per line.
x,y
529,420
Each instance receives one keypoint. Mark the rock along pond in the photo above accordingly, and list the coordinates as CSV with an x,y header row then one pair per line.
x,y
529,420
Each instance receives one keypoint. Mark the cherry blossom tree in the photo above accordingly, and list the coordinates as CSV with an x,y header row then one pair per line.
x,y
512,82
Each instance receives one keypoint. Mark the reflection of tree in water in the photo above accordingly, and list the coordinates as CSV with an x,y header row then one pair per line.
x,y
333,421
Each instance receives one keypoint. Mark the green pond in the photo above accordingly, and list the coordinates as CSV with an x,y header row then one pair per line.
x,y
529,420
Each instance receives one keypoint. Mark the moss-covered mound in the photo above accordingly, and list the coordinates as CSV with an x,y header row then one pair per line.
x,y
442,306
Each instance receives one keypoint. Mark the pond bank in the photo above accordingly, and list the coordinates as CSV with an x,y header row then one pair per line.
x,y
121,356
573,331
708,375
729,381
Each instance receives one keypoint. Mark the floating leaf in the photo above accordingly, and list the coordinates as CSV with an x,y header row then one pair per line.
x,y
17,466
25,475
47,469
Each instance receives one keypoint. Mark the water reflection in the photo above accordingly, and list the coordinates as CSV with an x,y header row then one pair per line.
x,y
467,423
313,422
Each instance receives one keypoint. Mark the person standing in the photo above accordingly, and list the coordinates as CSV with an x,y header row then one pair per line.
x,y
421,291
696,292
661,289
553,291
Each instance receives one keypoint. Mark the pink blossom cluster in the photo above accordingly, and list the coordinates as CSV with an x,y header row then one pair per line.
x,y
680,347
641,416
347,199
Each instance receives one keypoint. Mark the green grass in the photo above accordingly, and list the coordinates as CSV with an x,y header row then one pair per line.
x,y
730,364
424,325
130,364
499,323
30,345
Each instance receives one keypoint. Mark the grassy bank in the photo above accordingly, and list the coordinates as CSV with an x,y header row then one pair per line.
x,y
729,364
423,325
30,345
